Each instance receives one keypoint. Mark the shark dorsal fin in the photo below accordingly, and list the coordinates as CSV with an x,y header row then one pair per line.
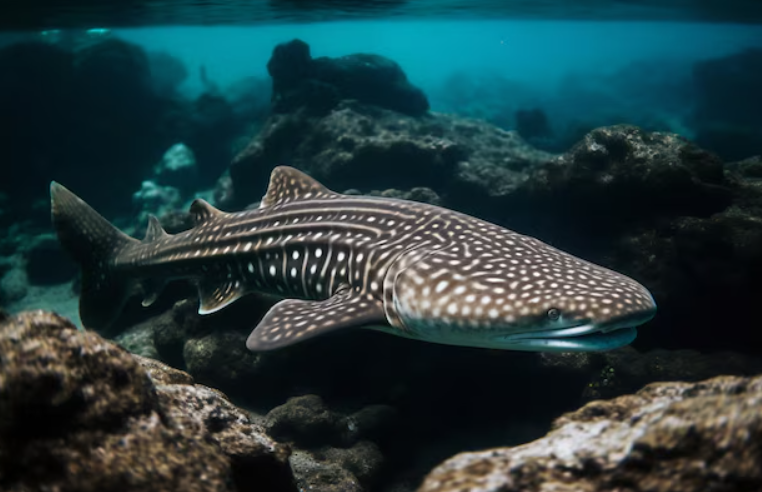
x,y
203,211
288,185
155,230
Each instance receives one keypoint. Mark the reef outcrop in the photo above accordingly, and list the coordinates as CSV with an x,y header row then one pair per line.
x,y
80,413
317,85
667,437
369,148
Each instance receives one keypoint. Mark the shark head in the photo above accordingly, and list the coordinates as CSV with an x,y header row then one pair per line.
x,y
498,289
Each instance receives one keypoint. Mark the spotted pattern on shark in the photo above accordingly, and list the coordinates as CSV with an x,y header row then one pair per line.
x,y
406,268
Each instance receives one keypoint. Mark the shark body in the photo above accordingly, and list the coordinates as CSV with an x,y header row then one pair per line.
x,y
406,268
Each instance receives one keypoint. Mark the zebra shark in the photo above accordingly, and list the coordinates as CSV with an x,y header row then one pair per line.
x,y
338,262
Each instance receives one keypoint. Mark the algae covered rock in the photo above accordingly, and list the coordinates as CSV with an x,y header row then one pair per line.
x,y
633,176
14,285
319,84
307,421
361,146
79,413
330,449
667,437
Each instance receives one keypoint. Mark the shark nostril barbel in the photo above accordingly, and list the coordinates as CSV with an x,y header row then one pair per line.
x,y
406,268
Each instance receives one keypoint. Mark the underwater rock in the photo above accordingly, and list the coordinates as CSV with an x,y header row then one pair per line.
x,y
319,84
256,460
46,262
748,168
365,147
336,469
417,194
138,340
308,422
626,370
220,358
172,328
614,167
14,285
80,413
327,443
668,436
713,262
213,347
177,167
167,73
213,126
161,373
322,476
175,221
154,199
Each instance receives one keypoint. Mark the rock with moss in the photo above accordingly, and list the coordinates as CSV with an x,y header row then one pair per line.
x,y
139,339
625,370
14,284
365,147
416,194
318,84
667,437
307,421
70,400
332,446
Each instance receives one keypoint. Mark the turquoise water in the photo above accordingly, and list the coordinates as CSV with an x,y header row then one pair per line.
x,y
537,53
606,72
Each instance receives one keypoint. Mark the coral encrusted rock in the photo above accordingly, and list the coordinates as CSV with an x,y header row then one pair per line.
x,y
668,437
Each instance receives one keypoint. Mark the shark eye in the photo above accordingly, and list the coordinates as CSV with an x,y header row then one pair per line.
x,y
554,314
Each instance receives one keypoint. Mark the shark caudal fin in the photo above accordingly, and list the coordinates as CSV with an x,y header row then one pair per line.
x,y
93,242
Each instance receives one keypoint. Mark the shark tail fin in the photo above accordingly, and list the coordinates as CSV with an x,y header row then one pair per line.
x,y
93,242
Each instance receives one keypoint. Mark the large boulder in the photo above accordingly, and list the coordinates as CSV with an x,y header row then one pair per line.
x,y
667,437
614,180
79,413
319,84
370,148
330,452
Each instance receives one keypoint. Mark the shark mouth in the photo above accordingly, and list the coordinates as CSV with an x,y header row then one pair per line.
x,y
585,338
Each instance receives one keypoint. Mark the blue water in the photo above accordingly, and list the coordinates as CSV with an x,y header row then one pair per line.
x,y
537,53
604,72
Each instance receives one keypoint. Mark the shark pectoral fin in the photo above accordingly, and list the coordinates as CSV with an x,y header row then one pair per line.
x,y
215,295
152,289
293,320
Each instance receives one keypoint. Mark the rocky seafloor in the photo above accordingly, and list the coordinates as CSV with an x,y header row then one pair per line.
x,y
170,400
